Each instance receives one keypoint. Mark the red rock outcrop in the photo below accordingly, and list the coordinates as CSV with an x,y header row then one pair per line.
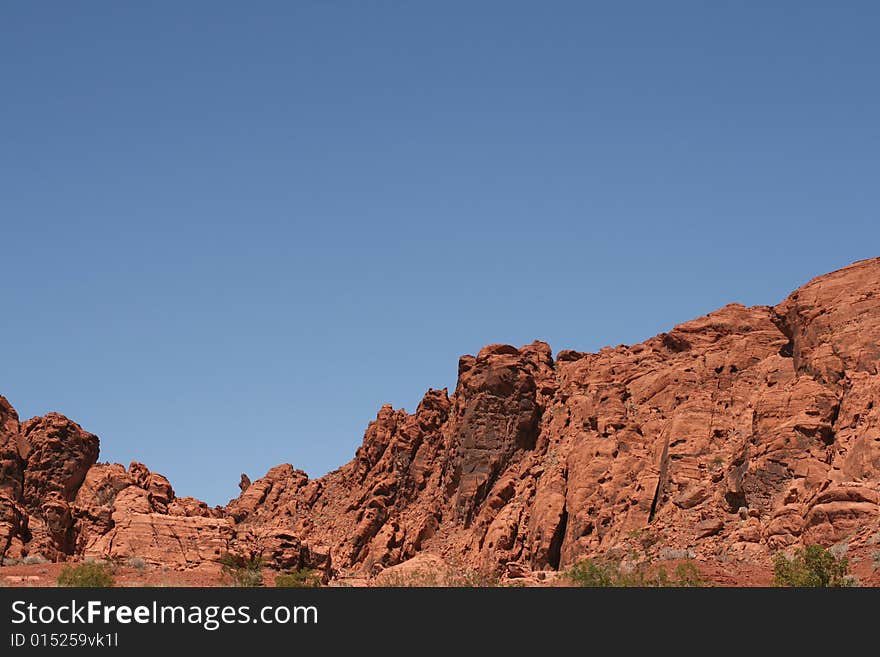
x,y
13,517
134,513
58,453
729,437
70,506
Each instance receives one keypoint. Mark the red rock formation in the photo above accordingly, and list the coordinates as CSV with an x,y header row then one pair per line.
x,y
57,454
135,514
13,517
731,436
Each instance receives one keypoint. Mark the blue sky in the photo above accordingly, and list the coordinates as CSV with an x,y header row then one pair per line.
x,y
231,231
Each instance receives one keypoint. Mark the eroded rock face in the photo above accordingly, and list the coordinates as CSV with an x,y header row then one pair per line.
x,y
11,448
13,518
134,513
59,453
738,433
113,512
734,435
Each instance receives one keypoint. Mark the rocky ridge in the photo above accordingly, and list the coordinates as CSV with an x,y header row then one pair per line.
x,y
730,437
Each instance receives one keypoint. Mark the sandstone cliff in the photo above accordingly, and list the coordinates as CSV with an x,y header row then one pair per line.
x,y
729,437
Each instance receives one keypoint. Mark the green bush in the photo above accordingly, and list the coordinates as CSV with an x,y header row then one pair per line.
x,y
595,573
608,573
241,571
302,578
811,566
87,574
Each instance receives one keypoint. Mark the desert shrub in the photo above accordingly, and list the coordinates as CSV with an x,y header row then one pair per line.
x,y
593,573
138,564
302,578
686,574
811,566
87,574
454,577
608,573
409,579
34,559
241,571
469,578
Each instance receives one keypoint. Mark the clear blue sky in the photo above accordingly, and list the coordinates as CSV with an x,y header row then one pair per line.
x,y
231,231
